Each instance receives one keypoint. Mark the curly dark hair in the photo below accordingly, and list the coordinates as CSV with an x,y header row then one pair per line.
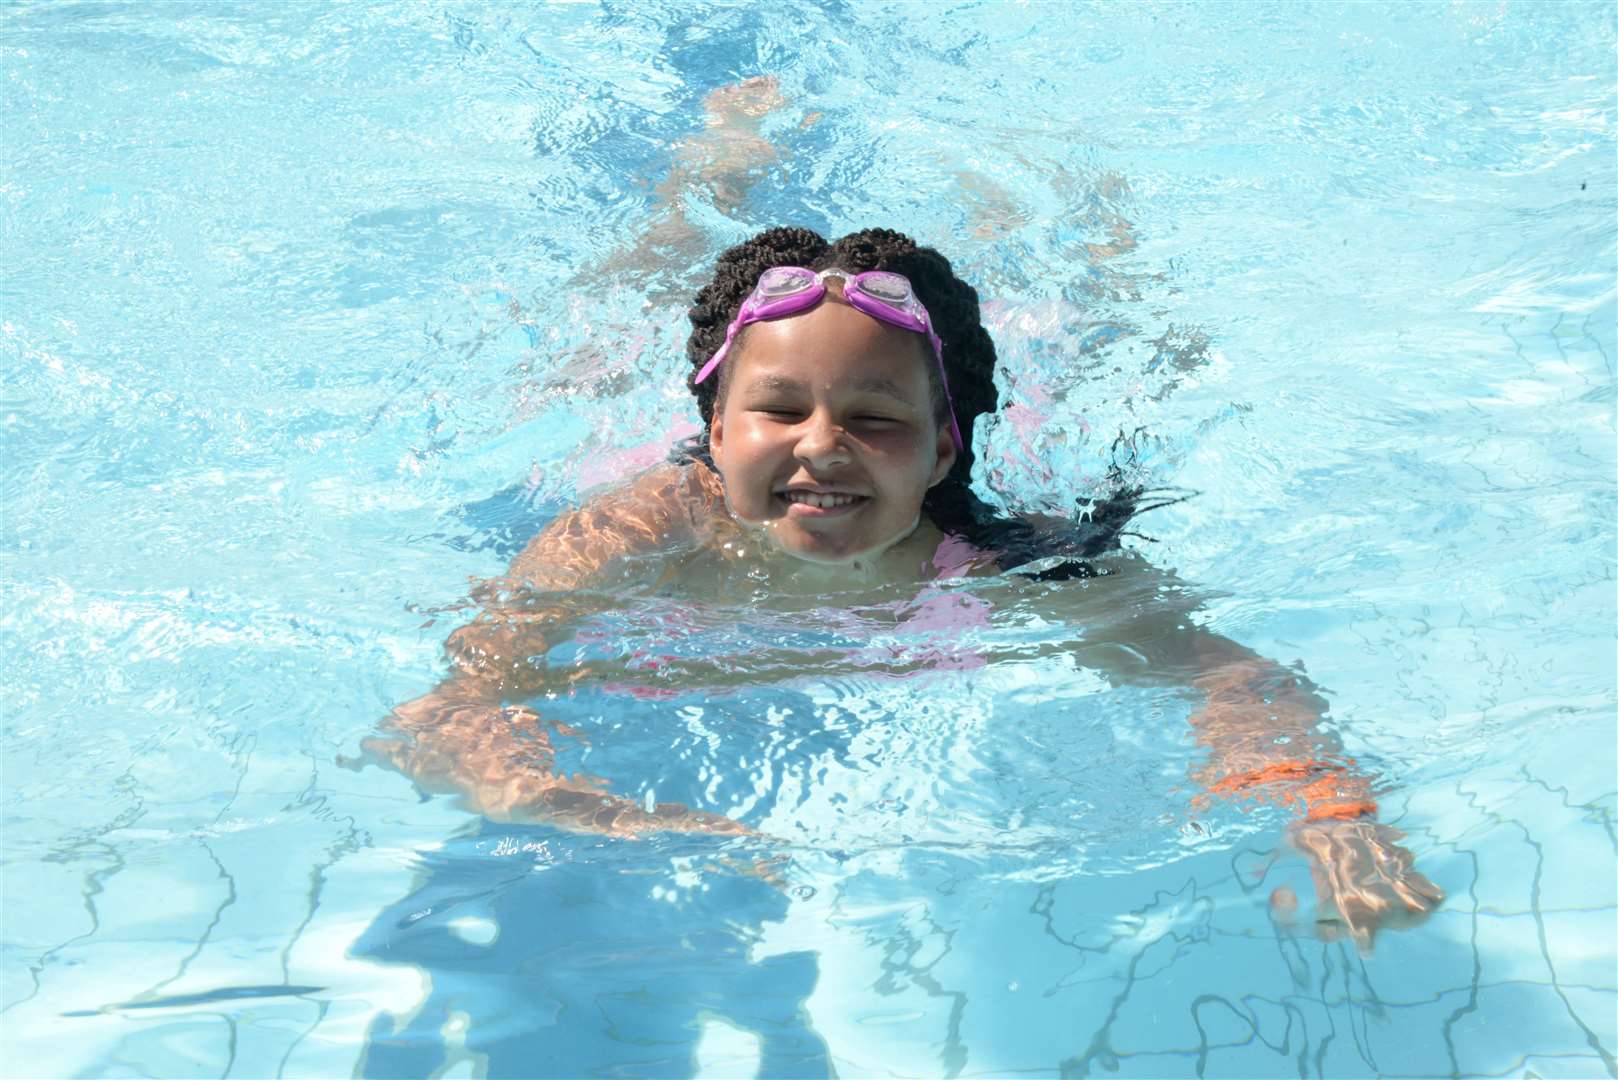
x,y
969,362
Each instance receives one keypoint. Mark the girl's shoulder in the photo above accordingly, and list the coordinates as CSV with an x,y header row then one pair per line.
x,y
663,508
674,488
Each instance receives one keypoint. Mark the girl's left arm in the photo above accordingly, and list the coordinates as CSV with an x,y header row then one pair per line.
x,y
1260,724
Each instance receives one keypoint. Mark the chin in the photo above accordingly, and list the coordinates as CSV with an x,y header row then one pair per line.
x,y
826,558
822,554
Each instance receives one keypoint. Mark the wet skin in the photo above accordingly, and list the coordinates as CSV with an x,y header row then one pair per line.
x,y
825,442
826,436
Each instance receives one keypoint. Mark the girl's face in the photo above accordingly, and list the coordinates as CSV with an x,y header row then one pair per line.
x,y
826,435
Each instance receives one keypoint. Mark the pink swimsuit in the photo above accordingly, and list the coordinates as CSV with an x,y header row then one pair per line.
x,y
930,630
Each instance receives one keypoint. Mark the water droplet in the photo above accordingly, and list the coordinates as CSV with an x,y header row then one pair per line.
x,y
804,892
1012,986
1282,740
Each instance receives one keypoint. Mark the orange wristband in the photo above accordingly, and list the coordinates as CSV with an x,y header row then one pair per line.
x,y
1322,796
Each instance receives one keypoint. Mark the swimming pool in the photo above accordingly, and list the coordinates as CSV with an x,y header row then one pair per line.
x,y
313,313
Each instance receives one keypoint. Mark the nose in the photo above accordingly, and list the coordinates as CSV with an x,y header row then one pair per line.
x,y
822,442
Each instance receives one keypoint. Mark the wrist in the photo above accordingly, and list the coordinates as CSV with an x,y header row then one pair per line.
x,y
1323,790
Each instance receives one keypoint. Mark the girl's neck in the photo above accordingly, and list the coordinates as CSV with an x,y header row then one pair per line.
x,y
908,560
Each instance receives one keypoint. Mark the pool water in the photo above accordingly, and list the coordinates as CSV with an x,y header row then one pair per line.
x,y
313,314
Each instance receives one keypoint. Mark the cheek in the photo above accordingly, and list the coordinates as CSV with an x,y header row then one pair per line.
x,y
746,442
744,454
912,467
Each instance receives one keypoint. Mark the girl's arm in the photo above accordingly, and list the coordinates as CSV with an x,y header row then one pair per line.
x,y
1260,724
461,737
566,574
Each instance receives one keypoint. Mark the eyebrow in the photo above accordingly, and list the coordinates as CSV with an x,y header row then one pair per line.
x,y
868,384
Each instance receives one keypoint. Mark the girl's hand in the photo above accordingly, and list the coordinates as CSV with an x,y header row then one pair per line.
x,y
565,804
1361,870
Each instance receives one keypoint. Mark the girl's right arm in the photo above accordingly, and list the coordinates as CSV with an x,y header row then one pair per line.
x,y
461,737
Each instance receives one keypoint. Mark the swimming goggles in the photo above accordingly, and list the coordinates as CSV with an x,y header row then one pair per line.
x,y
881,294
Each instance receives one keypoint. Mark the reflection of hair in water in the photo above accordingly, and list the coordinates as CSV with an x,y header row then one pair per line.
x,y
591,972
969,361
1058,544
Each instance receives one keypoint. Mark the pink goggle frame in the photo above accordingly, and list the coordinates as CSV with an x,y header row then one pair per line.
x,y
881,294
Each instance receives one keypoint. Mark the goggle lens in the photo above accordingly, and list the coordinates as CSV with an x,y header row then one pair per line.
x,y
783,281
891,289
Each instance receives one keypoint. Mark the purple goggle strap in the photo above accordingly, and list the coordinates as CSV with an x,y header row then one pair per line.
x,y
753,311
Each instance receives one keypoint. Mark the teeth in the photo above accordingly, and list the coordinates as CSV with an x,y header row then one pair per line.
x,y
824,502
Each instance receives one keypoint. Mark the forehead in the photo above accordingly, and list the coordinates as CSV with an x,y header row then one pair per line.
x,y
773,380
833,340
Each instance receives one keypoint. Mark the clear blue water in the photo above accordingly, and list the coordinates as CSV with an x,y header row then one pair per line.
x,y
311,313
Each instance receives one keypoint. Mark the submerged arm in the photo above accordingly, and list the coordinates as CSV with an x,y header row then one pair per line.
x,y
461,737
1261,726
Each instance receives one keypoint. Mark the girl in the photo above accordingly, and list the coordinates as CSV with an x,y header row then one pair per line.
x,y
839,385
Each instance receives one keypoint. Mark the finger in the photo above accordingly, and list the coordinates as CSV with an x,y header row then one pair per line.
x,y
1313,840
1329,930
586,782
1418,892
1388,835
1384,848
1327,911
1412,888
392,753
1283,906
1360,915
615,818
522,717
1346,881
771,871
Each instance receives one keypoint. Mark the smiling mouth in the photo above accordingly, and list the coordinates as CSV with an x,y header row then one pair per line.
x,y
820,502
825,500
